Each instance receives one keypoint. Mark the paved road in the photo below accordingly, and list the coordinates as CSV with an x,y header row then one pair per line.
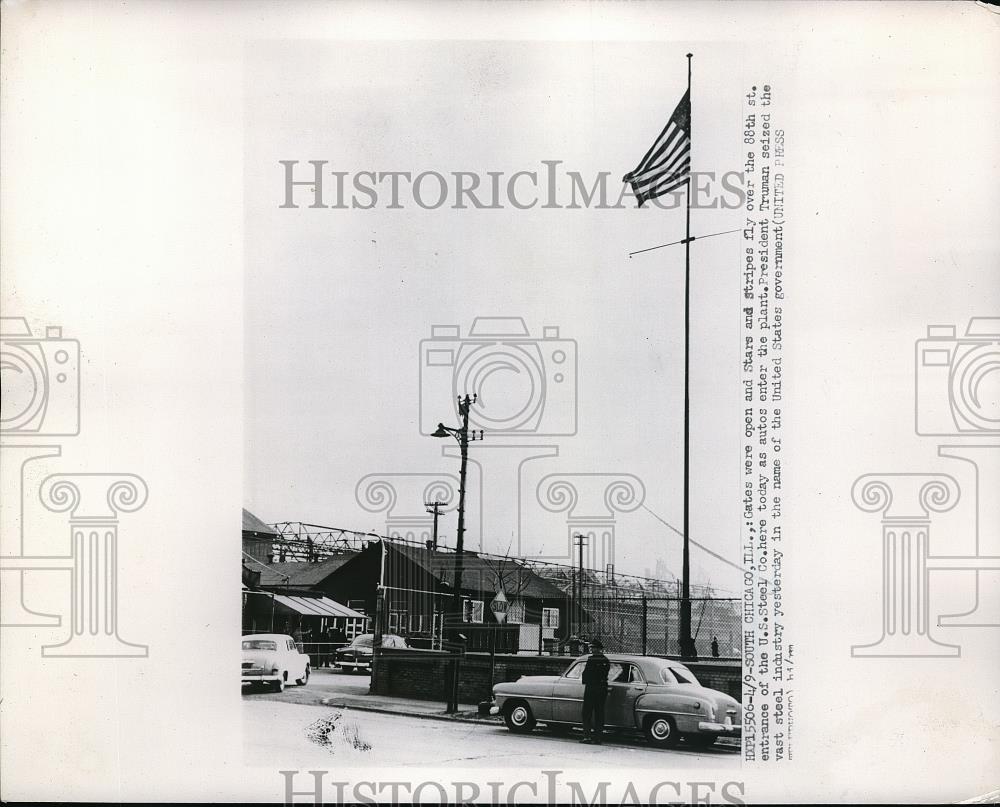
x,y
291,728
323,683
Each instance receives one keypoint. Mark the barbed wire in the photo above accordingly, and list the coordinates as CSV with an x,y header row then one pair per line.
x,y
304,542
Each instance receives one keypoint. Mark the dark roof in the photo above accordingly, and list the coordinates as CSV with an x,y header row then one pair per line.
x,y
301,573
253,524
480,574
564,577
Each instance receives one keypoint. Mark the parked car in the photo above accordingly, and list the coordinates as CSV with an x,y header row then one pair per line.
x,y
274,660
358,654
658,697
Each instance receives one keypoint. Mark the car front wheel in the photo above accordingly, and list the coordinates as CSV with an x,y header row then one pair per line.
x,y
518,717
661,732
279,685
304,679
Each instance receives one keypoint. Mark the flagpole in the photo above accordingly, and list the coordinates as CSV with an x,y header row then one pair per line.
x,y
686,640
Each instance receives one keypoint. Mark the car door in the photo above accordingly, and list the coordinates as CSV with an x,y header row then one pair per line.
x,y
567,695
623,690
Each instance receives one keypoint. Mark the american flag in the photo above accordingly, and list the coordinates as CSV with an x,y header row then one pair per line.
x,y
667,164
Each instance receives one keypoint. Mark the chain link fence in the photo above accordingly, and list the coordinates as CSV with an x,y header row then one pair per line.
x,y
651,625
640,624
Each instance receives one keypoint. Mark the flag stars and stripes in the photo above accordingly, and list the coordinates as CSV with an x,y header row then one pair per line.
x,y
667,164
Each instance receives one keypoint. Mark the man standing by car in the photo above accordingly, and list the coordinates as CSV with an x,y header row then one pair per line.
x,y
595,693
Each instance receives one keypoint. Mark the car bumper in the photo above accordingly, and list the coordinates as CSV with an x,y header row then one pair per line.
x,y
722,729
261,679
366,665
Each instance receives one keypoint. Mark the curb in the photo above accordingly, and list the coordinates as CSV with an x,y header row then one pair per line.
x,y
424,715
727,742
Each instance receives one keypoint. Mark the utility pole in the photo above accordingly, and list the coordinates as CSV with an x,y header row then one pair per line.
x,y
435,508
580,541
464,437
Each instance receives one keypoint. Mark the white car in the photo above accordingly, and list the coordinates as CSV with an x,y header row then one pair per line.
x,y
273,659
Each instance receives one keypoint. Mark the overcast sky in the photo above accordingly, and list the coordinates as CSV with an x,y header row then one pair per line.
x,y
338,301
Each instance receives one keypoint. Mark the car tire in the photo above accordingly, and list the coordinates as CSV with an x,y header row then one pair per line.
x,y
661,731
518,717
279,685
305,679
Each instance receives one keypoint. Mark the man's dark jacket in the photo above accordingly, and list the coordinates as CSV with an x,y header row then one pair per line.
x,y
595,671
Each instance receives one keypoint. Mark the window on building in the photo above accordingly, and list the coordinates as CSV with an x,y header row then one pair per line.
x,y
550,617
515,612
473,611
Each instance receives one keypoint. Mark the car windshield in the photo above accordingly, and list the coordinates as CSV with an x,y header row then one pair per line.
x,y
259,644
365,640
680,675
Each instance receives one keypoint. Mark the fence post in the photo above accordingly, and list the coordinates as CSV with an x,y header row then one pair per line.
x,y
380,597
645,614
541,626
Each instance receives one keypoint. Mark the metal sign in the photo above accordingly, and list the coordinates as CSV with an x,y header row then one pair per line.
x,y
499,606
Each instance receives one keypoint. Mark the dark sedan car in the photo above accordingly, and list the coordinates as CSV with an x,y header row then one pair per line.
x,y
661,698
358,654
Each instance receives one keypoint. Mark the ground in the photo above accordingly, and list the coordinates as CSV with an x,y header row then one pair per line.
x,y
294,729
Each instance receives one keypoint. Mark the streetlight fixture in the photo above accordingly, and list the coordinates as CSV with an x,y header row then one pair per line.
x,y
464,436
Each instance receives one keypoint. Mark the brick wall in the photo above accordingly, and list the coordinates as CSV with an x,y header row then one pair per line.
x,y
426,674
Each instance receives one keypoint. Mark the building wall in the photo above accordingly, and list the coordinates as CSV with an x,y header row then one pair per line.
x,y
356,580
425,674
257,545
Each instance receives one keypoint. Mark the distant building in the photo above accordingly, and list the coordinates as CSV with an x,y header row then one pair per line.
x,y
258,538
282,597
419,584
